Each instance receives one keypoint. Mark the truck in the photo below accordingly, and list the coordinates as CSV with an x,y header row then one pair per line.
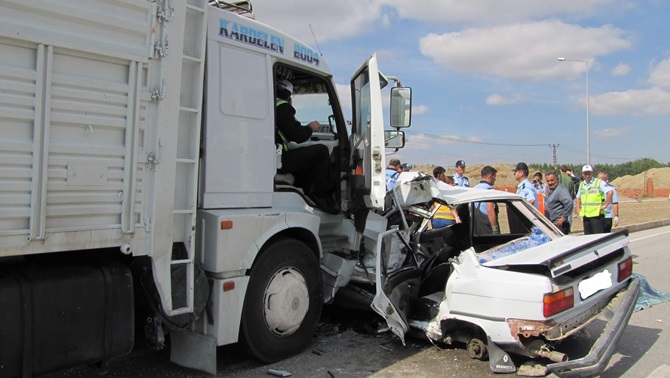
x,y
140,199
138,182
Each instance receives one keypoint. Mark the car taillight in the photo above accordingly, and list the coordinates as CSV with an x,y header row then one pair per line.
x,y
625,269
558,301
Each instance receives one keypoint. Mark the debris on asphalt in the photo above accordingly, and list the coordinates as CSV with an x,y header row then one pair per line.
x,y
279,373
532,369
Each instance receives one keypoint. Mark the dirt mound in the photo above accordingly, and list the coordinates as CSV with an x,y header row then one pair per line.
x,y
504,178
660,179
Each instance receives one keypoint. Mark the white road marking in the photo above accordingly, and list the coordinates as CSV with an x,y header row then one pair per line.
x,y
649,236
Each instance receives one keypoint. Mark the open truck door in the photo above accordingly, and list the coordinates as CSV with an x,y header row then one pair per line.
x,y
394,291
368,133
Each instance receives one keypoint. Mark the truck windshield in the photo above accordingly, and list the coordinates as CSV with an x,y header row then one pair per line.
x,y
314,107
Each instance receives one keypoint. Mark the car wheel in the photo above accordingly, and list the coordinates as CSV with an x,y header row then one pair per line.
x,y
477,349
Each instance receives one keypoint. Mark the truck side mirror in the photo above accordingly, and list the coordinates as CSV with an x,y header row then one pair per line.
x,y
394,139
401,107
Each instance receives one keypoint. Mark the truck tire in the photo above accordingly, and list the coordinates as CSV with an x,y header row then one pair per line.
x,y
283,303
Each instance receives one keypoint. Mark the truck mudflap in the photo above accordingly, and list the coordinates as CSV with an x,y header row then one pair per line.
x,y
595,362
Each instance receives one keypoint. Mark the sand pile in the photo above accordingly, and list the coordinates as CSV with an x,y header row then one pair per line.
x,y
660,177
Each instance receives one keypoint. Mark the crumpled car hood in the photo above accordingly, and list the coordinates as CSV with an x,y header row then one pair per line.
x,y
418,187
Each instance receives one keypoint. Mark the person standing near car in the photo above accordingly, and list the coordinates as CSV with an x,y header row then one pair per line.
x,y
592,199
392,172
566,180
558,203
443,216
485,220
459,176
612,211
525,188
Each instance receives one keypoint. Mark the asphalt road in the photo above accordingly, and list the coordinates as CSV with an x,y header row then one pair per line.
x,y
643,351
347,346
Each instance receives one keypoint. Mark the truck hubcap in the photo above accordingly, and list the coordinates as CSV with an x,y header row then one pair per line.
x,y
286,302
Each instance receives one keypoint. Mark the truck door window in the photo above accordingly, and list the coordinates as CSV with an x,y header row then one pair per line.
x,y
362,113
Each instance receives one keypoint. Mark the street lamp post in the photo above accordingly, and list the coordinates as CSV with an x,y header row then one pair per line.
x,y
588,126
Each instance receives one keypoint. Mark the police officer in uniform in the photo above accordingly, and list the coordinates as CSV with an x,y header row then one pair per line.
x,y
525,189
459,176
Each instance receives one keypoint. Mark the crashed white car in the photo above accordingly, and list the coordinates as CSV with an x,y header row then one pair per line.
x,y
518,291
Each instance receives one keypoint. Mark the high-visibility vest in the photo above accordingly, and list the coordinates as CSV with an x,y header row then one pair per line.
x,y
443,212
591,198
279,101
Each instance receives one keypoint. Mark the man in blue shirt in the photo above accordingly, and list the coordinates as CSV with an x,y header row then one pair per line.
x,y
459,176
486,215
392,173
525,188
611,211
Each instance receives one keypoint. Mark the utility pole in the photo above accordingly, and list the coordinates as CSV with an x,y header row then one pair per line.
x,y
553,149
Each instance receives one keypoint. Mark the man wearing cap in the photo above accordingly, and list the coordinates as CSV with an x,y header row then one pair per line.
x,y
593,197
309,164
459,176
525,188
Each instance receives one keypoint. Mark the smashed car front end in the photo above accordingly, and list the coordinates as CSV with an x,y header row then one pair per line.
x,y
521,289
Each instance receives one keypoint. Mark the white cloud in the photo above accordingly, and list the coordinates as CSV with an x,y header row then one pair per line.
x,y
660,75
496,99
419,109
621,70
526,51
610,133
651,101
419,142
495,11
330,20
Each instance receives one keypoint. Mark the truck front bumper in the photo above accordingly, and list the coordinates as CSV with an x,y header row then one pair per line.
x,y
603,349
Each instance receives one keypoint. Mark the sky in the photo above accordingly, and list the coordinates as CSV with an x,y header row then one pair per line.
x,y
487,85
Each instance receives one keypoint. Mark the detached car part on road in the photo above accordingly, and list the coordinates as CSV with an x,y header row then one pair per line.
x,y
519,291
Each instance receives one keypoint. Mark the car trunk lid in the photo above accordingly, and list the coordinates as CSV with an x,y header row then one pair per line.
x,y
566,254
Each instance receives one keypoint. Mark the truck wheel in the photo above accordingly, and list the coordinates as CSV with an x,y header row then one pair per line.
x,y
283,303
477,349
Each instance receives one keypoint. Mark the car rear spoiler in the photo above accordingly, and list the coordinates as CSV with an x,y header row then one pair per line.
x,y
564,255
